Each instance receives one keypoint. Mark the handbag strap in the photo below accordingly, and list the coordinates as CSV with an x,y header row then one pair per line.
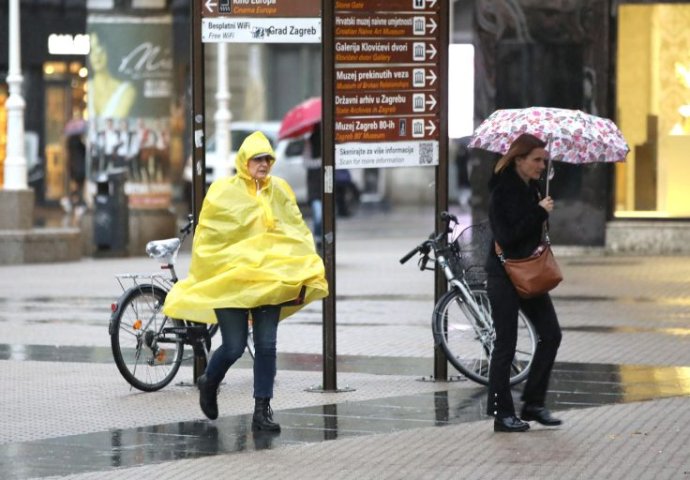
x,y
544,239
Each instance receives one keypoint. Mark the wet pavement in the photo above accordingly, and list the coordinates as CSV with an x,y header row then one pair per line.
x,y
622,381
573,386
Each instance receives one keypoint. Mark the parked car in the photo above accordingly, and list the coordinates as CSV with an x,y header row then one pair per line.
x,y
217,167
290,166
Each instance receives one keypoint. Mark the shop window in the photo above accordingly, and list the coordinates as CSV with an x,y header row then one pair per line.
x,y
65,99
653,110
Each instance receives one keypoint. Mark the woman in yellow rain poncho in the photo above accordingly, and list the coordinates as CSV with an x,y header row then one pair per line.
x,y
252,254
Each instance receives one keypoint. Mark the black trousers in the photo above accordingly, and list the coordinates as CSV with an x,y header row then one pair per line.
x,y
505,304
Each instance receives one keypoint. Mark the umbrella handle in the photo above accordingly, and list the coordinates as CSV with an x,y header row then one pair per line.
x,y
548,176
548,165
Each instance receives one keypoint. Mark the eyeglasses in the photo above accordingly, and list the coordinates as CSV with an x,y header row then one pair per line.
x,y
262,159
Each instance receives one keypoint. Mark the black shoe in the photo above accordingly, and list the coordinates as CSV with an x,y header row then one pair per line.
x,y
263,416
510,424
540,415
208,397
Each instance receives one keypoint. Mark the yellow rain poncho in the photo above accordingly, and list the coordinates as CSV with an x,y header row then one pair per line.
x,y
251,247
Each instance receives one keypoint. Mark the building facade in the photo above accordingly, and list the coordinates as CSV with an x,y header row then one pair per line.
x,y
625,60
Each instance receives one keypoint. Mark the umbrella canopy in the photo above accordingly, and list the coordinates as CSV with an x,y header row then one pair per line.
x,y
75,126
572,135
301,119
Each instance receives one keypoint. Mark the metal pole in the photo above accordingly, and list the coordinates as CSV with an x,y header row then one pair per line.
x,y
441,284
328,197
198,141
198,113
15,162
223,115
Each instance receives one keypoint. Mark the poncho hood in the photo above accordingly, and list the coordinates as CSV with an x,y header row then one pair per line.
x,y
255,144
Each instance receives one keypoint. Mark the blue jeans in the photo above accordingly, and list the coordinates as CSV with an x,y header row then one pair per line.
x,y
233,323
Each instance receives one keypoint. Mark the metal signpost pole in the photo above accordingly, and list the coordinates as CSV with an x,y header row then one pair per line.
x,y
198,113
328,195
198,139
441,284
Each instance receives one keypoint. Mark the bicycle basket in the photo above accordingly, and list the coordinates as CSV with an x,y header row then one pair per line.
x,y
473,245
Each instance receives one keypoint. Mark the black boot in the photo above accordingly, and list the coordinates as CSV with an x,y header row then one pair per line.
x,y
263,416
539,414
208,397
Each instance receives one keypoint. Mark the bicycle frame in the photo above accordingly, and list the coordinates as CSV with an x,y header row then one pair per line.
x,y
438,244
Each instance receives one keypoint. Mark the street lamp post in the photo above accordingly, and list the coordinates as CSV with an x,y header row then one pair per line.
x,y
223,115
15,162
16,199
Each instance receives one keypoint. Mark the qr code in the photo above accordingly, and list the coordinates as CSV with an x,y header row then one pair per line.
x,y
426,153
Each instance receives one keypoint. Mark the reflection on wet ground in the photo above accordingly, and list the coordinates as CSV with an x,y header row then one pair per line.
x,y
574,385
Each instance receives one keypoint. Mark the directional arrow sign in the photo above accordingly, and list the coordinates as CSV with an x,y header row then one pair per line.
x,y
430,127
433,51
210,6
431,101
431,77
431,25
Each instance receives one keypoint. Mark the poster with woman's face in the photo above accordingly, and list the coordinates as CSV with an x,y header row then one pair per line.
x,y
130,90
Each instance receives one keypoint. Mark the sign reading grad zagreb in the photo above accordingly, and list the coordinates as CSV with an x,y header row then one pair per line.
x,y
387,90
261,21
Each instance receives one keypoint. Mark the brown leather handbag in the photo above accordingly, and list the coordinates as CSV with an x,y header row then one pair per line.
x,y
535,275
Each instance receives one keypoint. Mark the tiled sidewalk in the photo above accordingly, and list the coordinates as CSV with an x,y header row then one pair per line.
x,y
614,310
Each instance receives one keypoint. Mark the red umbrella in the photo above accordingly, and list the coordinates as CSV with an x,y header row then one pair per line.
x,y
301,119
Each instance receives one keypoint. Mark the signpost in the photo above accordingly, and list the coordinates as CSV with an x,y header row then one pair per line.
x,y
384,97
385,100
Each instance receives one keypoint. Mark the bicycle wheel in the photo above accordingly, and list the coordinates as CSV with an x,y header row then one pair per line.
x,y
468,341
146,354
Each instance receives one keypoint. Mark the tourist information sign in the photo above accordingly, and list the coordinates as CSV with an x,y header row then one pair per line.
x,y
387,98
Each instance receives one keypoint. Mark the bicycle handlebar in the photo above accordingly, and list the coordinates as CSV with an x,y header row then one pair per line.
x,y
410,254
433,240
447,217
187,229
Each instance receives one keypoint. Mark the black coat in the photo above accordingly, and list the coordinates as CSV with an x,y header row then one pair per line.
x,y
516,217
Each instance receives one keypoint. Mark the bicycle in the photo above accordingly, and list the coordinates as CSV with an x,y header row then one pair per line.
x,y
147,346
461,322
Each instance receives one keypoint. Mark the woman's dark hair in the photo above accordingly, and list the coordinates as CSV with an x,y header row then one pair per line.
x,y
520,147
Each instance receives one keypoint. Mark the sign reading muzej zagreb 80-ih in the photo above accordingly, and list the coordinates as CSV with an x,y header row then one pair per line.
x,y
387,105
260,21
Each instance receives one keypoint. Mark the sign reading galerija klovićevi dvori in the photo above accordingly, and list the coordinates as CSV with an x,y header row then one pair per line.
x,y
260,21
387,105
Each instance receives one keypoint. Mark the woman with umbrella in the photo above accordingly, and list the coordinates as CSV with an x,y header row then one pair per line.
x,y
517,213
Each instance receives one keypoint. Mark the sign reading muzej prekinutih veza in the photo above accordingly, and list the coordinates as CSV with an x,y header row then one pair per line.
x,y
387,105
260,21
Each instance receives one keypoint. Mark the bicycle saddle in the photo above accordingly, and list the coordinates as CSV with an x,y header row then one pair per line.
x,y
163,249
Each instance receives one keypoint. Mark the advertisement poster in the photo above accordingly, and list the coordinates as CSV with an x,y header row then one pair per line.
x,y
134,125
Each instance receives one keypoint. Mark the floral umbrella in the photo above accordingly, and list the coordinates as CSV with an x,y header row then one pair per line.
x,y
572,135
